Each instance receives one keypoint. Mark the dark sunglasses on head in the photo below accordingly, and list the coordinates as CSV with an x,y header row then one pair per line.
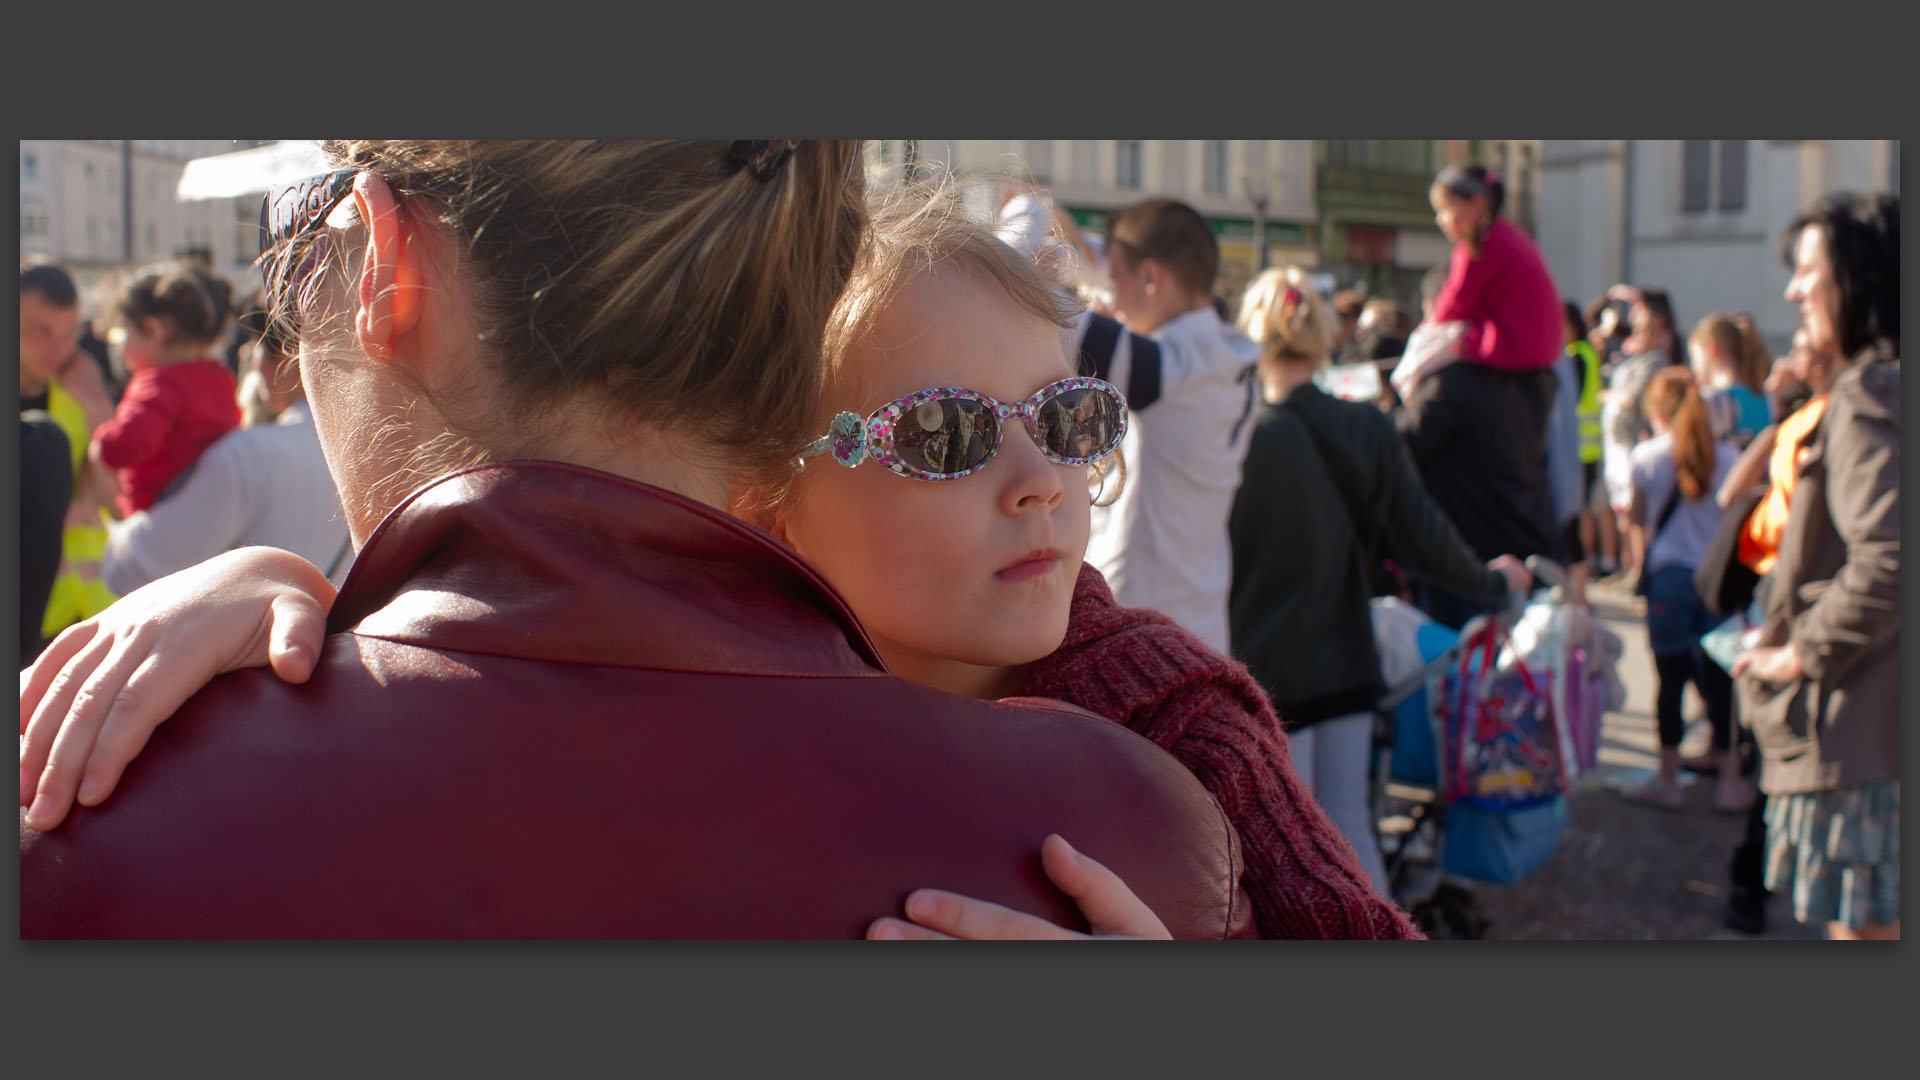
x,y
288,210
945,433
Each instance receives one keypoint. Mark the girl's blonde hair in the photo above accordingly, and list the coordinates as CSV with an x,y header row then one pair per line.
x,y
1672,397
1286,317
677,283
911,231
1733,336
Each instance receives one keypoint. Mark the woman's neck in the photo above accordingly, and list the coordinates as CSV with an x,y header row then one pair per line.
x,y
650,454
1278,378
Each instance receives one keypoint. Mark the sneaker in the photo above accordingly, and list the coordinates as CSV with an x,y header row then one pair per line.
x,y
1746,910
1651,792
1735,799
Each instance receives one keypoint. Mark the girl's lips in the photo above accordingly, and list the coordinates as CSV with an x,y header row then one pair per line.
x,y
1034,564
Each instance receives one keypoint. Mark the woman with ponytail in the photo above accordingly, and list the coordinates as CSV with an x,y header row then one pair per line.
x,y
1675,476
1326,485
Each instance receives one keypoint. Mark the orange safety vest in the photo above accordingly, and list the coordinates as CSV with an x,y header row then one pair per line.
x,y
1760,544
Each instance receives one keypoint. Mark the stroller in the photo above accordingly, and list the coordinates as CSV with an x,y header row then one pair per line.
x,y
1556,667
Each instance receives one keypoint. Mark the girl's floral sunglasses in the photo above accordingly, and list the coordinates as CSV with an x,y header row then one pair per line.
x,y
945,433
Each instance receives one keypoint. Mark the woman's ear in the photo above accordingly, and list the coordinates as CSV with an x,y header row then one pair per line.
x,y
389,293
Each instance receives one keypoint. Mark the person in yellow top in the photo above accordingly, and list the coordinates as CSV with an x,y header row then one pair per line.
x,y
1599,538
55,375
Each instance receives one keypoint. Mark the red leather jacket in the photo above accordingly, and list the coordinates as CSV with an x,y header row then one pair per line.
x,y
557,704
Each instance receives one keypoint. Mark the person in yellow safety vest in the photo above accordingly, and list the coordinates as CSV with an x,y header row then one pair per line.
x,y
56,376
1586,360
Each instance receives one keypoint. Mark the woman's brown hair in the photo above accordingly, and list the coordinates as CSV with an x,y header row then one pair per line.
x,y
665,282
1734,337
1672,397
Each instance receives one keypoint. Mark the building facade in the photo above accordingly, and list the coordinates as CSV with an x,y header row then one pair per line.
x,y
95,205
1701,218
1237,185
1377,231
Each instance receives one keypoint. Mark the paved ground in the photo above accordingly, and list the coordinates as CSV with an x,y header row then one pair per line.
x,y
1625,871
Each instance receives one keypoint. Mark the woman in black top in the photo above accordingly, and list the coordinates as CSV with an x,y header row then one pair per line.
x,y
1326,484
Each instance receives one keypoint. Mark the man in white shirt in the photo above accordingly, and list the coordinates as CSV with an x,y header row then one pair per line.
x,y
1189,380
267,484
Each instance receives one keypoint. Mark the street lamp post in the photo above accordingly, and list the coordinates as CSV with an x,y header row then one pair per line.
x,y
1258,188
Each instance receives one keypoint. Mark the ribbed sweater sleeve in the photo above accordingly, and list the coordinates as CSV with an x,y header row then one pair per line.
x,y
1137,667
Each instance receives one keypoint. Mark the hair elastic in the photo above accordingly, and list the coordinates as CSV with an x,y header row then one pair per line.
x,y
762,157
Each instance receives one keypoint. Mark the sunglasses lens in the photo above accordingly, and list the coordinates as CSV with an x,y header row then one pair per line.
x,y
1078,424
945,435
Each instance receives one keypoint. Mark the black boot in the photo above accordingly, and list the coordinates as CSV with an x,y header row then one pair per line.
x,y
1747,898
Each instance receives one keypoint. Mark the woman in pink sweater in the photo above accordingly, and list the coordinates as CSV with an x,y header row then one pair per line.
x,y
949,503
1499,306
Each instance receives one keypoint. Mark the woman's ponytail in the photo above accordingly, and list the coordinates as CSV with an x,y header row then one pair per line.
x,y
1673,398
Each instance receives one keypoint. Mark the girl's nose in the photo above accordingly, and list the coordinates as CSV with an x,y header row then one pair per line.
x,y
1032,480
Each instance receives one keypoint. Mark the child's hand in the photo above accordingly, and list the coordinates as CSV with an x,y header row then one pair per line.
x,y
89,703
1109,906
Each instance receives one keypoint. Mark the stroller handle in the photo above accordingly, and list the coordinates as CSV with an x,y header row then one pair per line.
x,y
1546,570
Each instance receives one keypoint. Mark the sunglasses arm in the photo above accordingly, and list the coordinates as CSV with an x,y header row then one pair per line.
x,y
846,440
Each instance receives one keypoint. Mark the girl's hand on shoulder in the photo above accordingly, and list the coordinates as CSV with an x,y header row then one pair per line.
x,y
1111,909
91,700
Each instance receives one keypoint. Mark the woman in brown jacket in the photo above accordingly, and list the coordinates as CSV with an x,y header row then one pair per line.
x,y
1822,687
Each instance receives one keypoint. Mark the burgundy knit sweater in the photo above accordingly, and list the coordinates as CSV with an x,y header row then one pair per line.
x,y
1135,666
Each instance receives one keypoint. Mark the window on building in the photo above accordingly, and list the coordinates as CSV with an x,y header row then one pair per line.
x,y
1403,156
29,169
1733,174
1713,175
33,224
153,237
1213,166
1126,165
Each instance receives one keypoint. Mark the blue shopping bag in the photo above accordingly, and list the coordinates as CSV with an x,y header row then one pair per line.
x,y
1504,846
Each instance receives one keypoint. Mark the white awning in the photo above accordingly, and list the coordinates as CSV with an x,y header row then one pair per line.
x,y
249,172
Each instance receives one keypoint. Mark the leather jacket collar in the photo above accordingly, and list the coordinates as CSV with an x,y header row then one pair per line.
x,y
548,561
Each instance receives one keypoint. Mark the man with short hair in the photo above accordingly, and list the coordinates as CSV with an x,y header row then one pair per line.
x,y
1189,380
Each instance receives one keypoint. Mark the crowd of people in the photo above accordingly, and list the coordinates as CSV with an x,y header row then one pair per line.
x,y
613,487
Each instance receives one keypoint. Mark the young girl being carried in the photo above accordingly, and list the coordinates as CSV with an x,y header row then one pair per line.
x,y
948,500
181,397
